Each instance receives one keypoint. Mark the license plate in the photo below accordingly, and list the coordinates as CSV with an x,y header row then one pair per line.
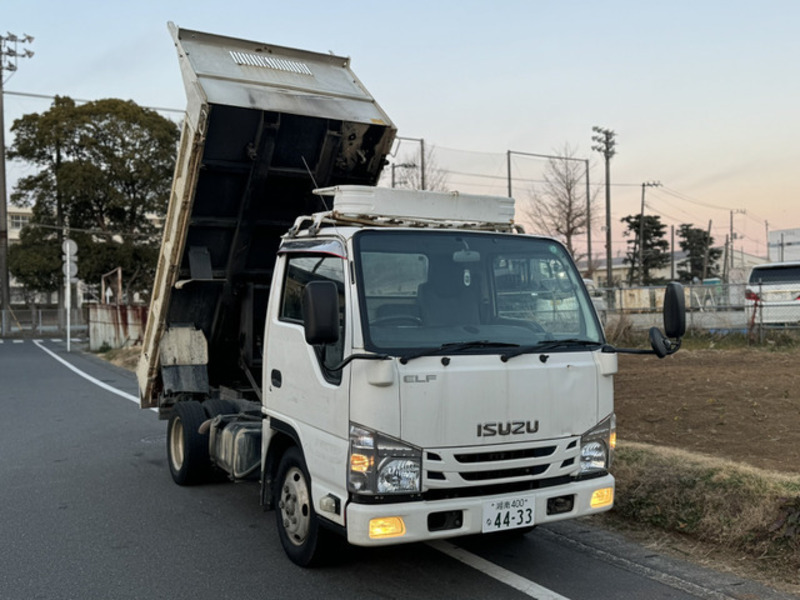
x,y
508,513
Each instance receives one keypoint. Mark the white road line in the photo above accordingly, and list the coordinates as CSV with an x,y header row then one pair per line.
x,y
86,376
526,586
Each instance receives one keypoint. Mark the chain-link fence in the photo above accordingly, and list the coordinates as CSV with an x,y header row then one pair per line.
x,y
21,322
715,308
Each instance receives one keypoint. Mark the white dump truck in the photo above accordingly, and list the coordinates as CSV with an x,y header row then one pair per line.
x,y
388,365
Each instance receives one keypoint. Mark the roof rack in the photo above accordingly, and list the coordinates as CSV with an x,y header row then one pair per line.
x,y
390,207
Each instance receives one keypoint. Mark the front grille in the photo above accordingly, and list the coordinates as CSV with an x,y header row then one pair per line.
x,y
521,472
503,455
523,465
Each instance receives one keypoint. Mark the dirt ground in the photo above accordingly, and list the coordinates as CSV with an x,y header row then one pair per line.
x,y
741,404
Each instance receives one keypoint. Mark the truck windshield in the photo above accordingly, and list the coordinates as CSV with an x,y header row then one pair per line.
x,y
469,292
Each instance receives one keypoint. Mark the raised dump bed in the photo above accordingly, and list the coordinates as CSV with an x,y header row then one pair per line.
x,y
264,126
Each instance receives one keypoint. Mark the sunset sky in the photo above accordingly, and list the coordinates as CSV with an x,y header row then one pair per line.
x,y
703,95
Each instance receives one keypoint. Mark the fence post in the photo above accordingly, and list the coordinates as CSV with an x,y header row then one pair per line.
x,y
760,309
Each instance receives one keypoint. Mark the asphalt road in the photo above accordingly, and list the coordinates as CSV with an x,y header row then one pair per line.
x,y
89,511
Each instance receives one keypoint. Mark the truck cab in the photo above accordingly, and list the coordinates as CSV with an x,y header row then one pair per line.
x,y
461,385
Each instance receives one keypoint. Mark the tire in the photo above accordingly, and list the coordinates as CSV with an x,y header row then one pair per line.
x,y
187,448
298,526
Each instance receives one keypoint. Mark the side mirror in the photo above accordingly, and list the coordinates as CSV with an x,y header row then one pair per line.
x,y
674,322
321,312
674,311
674,325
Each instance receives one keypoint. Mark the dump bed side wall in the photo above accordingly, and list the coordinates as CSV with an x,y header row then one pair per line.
x,y
265,126
176,225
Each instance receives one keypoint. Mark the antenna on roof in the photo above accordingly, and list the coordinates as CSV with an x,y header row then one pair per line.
x,y
314,181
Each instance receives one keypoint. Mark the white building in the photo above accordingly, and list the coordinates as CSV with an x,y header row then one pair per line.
x,y
17,219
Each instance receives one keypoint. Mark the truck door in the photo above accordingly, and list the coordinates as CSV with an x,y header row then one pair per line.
x,y
300,389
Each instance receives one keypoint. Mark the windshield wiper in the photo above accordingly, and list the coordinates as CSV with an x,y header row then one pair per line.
x,y
546,345
451,347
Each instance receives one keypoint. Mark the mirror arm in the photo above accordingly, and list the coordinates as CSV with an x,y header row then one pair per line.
x,y
627,350
352,357
672,348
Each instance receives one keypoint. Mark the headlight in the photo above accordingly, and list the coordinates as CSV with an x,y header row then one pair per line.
x,y
382,465
597,446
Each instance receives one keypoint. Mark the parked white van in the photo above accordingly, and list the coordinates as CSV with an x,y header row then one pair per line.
x,y
773,294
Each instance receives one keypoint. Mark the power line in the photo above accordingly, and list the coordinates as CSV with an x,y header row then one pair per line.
x,y
82,101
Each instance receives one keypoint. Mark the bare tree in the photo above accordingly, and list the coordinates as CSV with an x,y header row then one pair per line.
x,y
558,206
407,172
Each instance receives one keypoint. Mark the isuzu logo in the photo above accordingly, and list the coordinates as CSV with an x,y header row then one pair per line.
x,y
507,428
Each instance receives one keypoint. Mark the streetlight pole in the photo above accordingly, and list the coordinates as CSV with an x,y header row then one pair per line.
x,y
9,53
604,143
641,230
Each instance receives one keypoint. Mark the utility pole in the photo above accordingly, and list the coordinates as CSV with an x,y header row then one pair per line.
x,y
672,253
401,166
604,143
589,265
421,158
641,231
9,54
708,248
732,237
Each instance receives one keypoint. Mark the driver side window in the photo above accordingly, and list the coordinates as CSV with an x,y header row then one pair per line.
x,y
300,270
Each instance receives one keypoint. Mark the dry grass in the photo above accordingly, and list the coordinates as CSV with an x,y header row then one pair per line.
x,y
740,511
127,358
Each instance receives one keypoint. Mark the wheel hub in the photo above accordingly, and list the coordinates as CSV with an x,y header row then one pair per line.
x,y
176,448
295,506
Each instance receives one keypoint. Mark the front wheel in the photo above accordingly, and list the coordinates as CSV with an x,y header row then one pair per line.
x,y
297,522
187,448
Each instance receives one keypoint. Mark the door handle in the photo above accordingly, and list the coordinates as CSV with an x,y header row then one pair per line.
x,y
276,378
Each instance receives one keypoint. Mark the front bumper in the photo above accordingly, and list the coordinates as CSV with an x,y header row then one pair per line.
x,y
417,516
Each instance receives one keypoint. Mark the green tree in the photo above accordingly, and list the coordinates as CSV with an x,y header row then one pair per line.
x,y
696,242
655,251
105,169
36,261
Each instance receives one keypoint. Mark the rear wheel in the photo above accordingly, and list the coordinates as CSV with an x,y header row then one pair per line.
x,y
187,448
298,526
